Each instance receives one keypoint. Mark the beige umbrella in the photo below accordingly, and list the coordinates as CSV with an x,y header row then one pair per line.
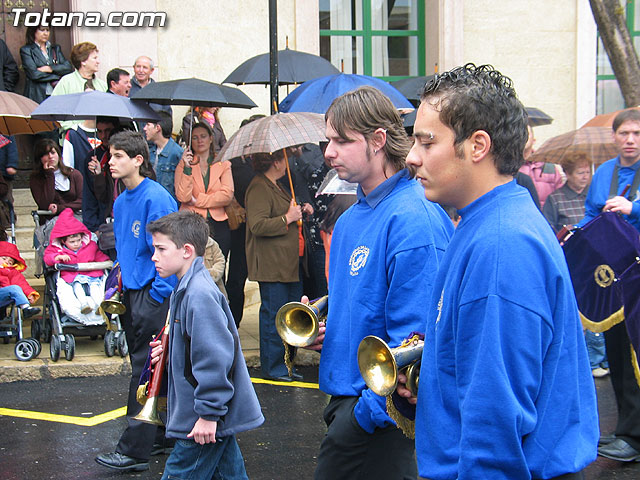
x,y
605,119
15,111
273,133
595,142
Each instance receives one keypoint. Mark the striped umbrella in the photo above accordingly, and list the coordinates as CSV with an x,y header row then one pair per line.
x,y
595,142
15,112
275,132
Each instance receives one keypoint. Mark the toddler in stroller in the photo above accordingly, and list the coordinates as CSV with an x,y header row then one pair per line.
x,y
13,285
79,293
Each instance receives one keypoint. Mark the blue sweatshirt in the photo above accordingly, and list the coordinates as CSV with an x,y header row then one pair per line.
x,y
132,211
505,384
385,251
599,191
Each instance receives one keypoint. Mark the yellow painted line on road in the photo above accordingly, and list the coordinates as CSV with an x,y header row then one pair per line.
x,y
54,417
118,412
286,384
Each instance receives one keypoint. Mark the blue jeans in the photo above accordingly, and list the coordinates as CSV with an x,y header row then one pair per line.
x,y
217,461
596,349
15,293
272,296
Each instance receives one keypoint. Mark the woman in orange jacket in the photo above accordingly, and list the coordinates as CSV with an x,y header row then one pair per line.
x,y
204,185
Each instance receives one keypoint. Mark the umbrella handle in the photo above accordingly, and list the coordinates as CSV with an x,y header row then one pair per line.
x,y
293,194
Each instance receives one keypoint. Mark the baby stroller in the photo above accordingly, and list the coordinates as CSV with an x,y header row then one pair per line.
x,y
61,327
11,317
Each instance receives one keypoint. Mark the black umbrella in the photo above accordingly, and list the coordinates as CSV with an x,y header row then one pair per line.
x,y
537,117
293,67
412,87
193,91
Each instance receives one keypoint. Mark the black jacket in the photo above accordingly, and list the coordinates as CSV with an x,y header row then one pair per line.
x,y
36,83
8,69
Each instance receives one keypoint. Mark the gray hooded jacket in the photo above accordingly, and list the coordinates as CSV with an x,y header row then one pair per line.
x,y
207,374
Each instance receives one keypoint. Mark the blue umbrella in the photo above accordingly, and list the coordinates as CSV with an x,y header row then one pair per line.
x,y
316,95
92,104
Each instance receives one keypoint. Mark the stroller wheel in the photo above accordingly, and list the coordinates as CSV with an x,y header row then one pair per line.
x,y
54,348
36,344
25,350
36,328
46,330
70,347
110,343
123,348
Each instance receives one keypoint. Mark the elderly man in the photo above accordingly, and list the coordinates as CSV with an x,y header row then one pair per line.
x,y
385,251
606,195
505,386
143,69
119,82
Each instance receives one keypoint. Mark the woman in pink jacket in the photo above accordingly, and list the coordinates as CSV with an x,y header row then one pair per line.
x,y
204,185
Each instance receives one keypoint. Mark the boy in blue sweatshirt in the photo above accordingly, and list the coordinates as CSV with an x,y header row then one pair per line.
x,y
146,294
505,384
210,397
385,251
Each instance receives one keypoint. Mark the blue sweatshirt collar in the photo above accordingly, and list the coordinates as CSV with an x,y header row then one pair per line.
x,y
381,191
635,166
480,203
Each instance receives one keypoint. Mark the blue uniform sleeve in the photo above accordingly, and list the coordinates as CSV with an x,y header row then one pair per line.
x,y
161,288
410,271
498,374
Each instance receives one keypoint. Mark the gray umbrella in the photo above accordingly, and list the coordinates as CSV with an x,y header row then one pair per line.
x,y
293,67
412,87
92,104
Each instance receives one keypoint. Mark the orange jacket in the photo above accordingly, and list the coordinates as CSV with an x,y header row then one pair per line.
x,y
217,196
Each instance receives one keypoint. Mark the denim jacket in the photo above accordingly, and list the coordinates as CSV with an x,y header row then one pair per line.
x,y
165,166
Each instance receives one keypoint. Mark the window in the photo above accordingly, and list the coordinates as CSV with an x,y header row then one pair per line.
x,y
609,98
380,38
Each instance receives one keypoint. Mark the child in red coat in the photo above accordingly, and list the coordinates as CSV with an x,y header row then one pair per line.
x,y
71,242
13,285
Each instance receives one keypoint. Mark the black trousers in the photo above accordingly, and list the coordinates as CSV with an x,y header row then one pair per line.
x,y
221,233
624,384
348,452
143,320
237,272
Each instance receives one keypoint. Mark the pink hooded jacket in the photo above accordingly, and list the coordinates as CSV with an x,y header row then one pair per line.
x,y
66,225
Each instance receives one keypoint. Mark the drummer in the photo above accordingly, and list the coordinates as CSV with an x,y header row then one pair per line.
x,y
614,188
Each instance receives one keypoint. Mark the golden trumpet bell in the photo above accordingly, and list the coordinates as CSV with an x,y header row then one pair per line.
x,y
379,364
113,305
149,412
298,323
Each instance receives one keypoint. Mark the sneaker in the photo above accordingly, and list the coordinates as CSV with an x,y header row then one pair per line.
x,y
600,372
28,312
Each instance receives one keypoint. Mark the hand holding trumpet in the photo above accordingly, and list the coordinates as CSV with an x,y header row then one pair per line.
x,y
403,391
317,344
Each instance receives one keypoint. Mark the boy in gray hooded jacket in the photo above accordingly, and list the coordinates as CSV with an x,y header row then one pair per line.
x,y
210,397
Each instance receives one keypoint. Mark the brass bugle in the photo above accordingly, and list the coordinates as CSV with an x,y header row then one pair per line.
x,y
298,323
149,412
379,365
113,305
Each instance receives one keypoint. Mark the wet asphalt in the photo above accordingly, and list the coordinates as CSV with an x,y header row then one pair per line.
x,y
285,447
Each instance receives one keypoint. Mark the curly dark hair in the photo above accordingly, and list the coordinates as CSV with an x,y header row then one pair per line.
x,y
472,98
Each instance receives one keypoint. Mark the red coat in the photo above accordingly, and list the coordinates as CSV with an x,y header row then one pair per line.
x,y
66,225
11,275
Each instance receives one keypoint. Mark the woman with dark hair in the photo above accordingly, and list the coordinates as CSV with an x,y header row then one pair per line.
x,y
205,185
43,63
54,186
273,255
